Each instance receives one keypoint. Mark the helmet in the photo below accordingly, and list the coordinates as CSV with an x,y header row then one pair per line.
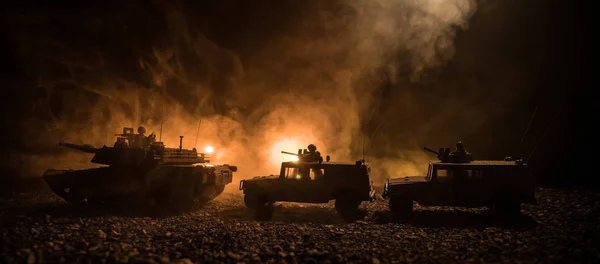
x,y
141,130
459,145
312,148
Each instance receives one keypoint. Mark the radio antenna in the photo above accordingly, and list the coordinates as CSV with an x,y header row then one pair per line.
x,y
198,132
160,134
545,132
363,148
520,148
162,112
373,136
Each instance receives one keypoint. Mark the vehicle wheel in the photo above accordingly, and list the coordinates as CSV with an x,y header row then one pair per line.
x,y
263,213
506,208
346,206
259,205
248,201
401,206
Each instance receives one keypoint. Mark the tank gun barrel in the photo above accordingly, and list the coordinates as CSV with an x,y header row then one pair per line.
x,y
431,150
85,148
289,153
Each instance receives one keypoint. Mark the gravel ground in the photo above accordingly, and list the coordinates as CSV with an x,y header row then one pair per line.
x,y
39,227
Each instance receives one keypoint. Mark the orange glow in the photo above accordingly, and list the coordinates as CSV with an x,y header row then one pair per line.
x,y
287,144
209,149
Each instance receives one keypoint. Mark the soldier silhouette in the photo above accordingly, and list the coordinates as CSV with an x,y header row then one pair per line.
x,y
141,139
460,176
141,131
460,154
314,155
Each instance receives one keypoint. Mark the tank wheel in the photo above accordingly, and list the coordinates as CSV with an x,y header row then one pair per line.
x,y
347,206
158,197
401,206
208,193
259,205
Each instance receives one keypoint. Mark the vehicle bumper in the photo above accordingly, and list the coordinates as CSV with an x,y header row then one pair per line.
x,y
372,196
386,189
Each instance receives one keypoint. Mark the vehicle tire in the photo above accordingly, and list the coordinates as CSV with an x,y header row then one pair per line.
x,y
259,205
249,201
401,206
347,206
506,208
263,213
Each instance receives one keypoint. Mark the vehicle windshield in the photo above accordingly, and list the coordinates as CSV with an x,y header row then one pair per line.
x,y
445,174
291,173
305,173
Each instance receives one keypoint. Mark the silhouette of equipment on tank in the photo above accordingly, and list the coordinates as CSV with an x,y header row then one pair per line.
x,y
143,171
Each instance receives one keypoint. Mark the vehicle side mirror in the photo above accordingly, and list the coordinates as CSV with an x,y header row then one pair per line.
x,y
327,158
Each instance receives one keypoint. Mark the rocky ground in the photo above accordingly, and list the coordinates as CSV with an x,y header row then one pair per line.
x,y
37,226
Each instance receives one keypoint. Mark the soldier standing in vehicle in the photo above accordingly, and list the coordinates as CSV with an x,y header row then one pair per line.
x,y
141,138
314,155
460,176
460,154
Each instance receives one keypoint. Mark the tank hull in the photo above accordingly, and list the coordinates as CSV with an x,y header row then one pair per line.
x,y
168,185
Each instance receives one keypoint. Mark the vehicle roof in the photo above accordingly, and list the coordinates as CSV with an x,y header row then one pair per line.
x,y
411,179
297,164
477,163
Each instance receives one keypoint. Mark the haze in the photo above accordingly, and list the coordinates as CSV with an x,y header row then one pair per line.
x,y
352,77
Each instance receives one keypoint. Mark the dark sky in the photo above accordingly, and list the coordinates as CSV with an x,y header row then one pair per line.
x,y
515,57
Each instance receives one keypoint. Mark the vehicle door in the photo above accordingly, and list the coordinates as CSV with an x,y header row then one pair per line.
x,y
302,184
467,186
441,187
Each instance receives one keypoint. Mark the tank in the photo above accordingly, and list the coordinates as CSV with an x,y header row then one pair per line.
x,y
140,170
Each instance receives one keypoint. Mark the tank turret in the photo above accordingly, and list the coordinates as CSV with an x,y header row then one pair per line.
x,y
85,148
136,150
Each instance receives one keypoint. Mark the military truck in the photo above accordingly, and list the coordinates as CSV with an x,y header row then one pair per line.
x,y
310,180
461,181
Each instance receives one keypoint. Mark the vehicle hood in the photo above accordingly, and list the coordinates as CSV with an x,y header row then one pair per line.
x,y
260,178
407,180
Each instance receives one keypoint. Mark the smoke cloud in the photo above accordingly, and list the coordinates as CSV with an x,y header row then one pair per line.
x,y
310,72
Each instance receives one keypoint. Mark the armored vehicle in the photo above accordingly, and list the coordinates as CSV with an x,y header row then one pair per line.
x,y
142,171
460,181
310,180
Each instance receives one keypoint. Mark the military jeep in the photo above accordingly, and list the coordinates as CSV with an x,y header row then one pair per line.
x,y
310,182
500,185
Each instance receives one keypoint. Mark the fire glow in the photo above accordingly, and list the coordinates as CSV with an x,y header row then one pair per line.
x,y
287,144
209,149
